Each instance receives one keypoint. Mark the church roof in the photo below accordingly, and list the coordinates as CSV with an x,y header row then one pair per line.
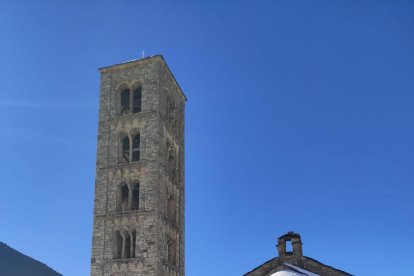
x,y
292,270
277,259
293,263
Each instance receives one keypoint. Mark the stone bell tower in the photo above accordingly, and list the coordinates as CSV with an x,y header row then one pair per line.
x,y
138,226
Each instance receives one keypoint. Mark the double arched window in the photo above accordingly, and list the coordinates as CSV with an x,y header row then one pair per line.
x,y
124,244
128,197
129,152
130,102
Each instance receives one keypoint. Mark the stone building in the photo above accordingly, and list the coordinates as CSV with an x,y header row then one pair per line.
x,y
138,226
293,263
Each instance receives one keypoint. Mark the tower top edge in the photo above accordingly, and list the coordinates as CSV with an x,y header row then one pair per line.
x,y
122,65
130,62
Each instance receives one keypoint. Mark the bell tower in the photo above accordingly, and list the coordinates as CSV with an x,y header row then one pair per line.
x,y
138,226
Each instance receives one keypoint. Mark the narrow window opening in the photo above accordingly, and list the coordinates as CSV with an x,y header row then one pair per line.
x,y
125,149
124,197
117,245
125,101
171,247
137,100
127,249
171,161
172,208
135,147
289,248
133,243
135,197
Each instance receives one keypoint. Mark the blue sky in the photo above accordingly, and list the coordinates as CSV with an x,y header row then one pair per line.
x,y
299,117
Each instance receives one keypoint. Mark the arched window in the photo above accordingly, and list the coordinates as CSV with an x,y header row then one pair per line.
x,y
171,251
127,246
135,197
172,208
118,242
124,197
135,147
125,102
125,149
171,161
133,242
137,100
124,244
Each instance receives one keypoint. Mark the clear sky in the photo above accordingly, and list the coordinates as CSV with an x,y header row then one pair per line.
x,y
299,117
